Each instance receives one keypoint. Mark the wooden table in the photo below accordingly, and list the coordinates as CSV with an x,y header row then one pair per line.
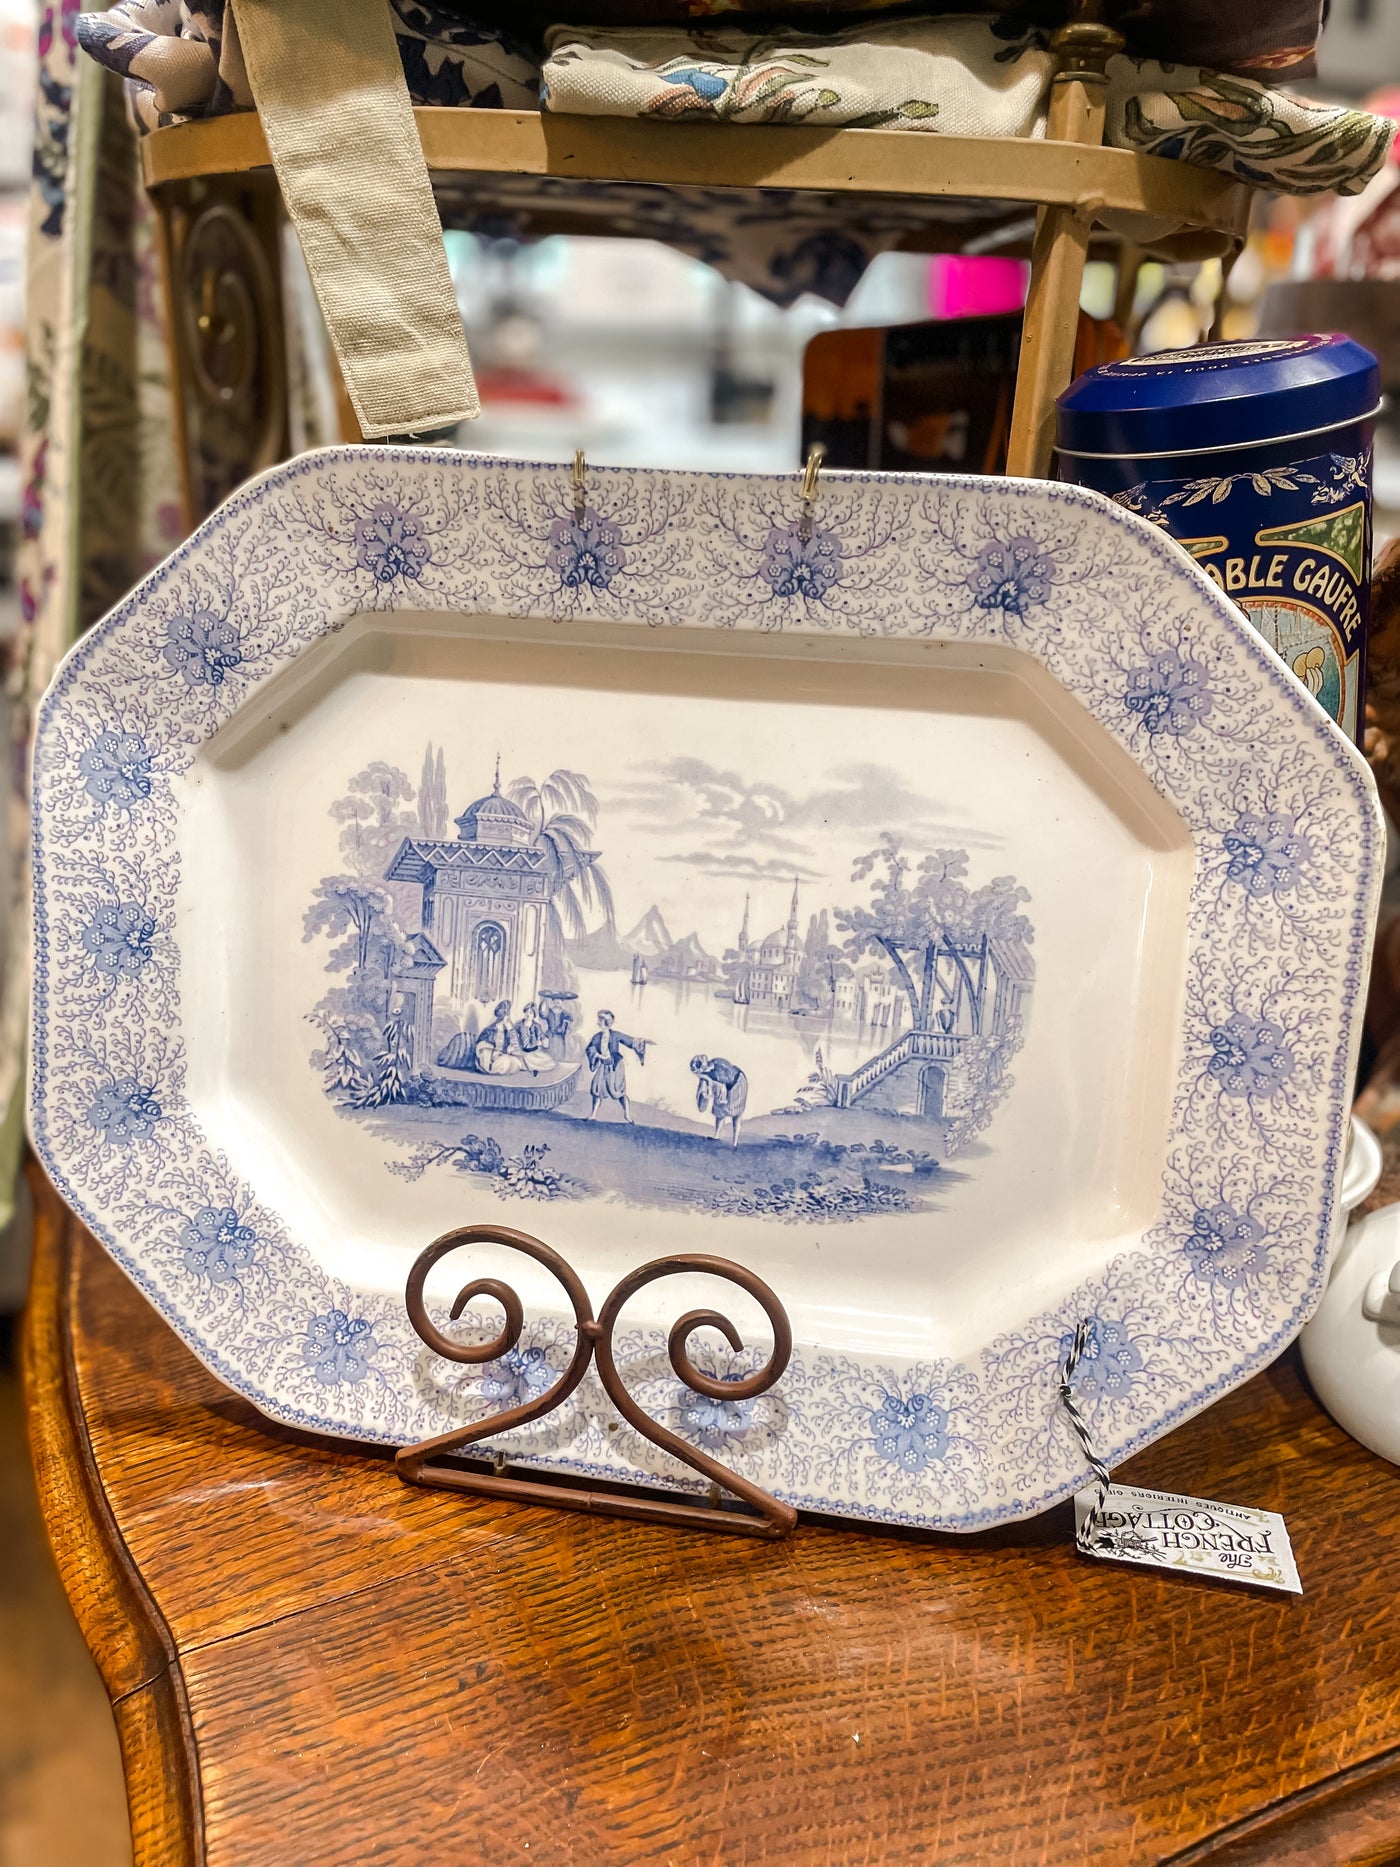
x,y
311,1664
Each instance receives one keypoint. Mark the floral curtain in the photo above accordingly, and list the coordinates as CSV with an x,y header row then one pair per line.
x,y
100,482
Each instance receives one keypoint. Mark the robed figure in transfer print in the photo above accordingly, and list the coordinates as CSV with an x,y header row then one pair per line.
x,y
605,1059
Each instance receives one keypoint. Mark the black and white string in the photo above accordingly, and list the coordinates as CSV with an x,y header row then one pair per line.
x,y
1079,1342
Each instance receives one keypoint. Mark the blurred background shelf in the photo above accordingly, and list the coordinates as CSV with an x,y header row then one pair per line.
x,y
1059,201
972,171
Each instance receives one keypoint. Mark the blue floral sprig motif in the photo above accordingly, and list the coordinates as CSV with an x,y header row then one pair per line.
x,y
116,770
338,1347
776,563
390,544
1011,575
803,565
1138,1340
1170,695
215,1243
1249,1056
118,938
1110,1363
125,1111
1225,1246
385,538
1266,854
741,1431
520,1376
624,549
715,1425
586,551
204,647
896,1431
910,1431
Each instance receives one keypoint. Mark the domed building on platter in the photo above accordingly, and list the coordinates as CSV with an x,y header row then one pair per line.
x,y
485,907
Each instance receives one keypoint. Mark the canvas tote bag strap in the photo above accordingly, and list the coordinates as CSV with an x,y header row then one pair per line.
x,y
330,90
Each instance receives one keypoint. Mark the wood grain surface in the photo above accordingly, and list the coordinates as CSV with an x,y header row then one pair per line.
x,y
373,1674
121,1624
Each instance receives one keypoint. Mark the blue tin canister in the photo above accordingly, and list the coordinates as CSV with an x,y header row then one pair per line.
x,y
1256,457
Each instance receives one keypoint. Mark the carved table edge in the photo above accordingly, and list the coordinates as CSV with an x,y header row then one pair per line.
x,y
1348,1819
124,1630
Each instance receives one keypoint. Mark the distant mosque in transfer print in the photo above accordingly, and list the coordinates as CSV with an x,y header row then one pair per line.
x,y
768,970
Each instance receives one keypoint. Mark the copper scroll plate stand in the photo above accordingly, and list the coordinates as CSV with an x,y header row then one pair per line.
x,y
423,1464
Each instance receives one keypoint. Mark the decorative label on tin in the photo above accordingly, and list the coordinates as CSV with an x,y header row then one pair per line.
x,y
1236,351
1291,545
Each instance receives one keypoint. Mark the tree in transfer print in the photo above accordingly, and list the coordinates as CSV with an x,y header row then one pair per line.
x,y
562,812
934,928
345,1076
391,1078
823,965
358,916
432,796
372,818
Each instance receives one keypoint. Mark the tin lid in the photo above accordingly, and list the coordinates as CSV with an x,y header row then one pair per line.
x,y
1217,395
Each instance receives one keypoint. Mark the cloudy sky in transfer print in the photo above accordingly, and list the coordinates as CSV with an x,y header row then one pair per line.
x,y
717,820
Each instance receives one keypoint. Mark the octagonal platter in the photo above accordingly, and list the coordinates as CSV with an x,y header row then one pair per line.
x,y
942,904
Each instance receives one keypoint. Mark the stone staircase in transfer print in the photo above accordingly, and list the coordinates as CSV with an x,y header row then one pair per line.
x,y
923,1046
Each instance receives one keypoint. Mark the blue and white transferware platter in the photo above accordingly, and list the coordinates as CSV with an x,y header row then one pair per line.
x,y
949,909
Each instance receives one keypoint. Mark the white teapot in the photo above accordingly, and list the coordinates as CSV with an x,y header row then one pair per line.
x,y
1351,1348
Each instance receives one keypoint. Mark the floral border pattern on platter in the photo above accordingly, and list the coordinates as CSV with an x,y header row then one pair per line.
x,y
1289,850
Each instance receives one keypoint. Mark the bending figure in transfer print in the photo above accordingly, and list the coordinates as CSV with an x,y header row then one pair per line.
x,y
605,1059
722,1090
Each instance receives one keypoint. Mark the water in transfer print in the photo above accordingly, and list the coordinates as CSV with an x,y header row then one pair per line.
x,y
805,1014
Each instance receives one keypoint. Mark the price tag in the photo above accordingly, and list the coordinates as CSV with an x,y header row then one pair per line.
x,y
1159,1530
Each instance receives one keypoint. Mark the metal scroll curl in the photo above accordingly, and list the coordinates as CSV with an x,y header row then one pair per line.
x,y
419,1464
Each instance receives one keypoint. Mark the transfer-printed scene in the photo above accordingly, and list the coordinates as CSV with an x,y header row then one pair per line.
x,y
827,1020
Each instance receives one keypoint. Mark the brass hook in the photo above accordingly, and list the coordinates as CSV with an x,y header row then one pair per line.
x,y
580,485
816,454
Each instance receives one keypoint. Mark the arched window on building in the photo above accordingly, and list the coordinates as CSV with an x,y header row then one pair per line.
x,y
488,961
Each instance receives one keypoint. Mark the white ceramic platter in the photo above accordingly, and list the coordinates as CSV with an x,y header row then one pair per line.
x,y
982,911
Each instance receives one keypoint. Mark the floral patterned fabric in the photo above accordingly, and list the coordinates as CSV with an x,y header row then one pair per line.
x,y
168,50
45,564
1269,138
780,242
1264,39
182,58
100,482
970,73
1270,40
960,76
